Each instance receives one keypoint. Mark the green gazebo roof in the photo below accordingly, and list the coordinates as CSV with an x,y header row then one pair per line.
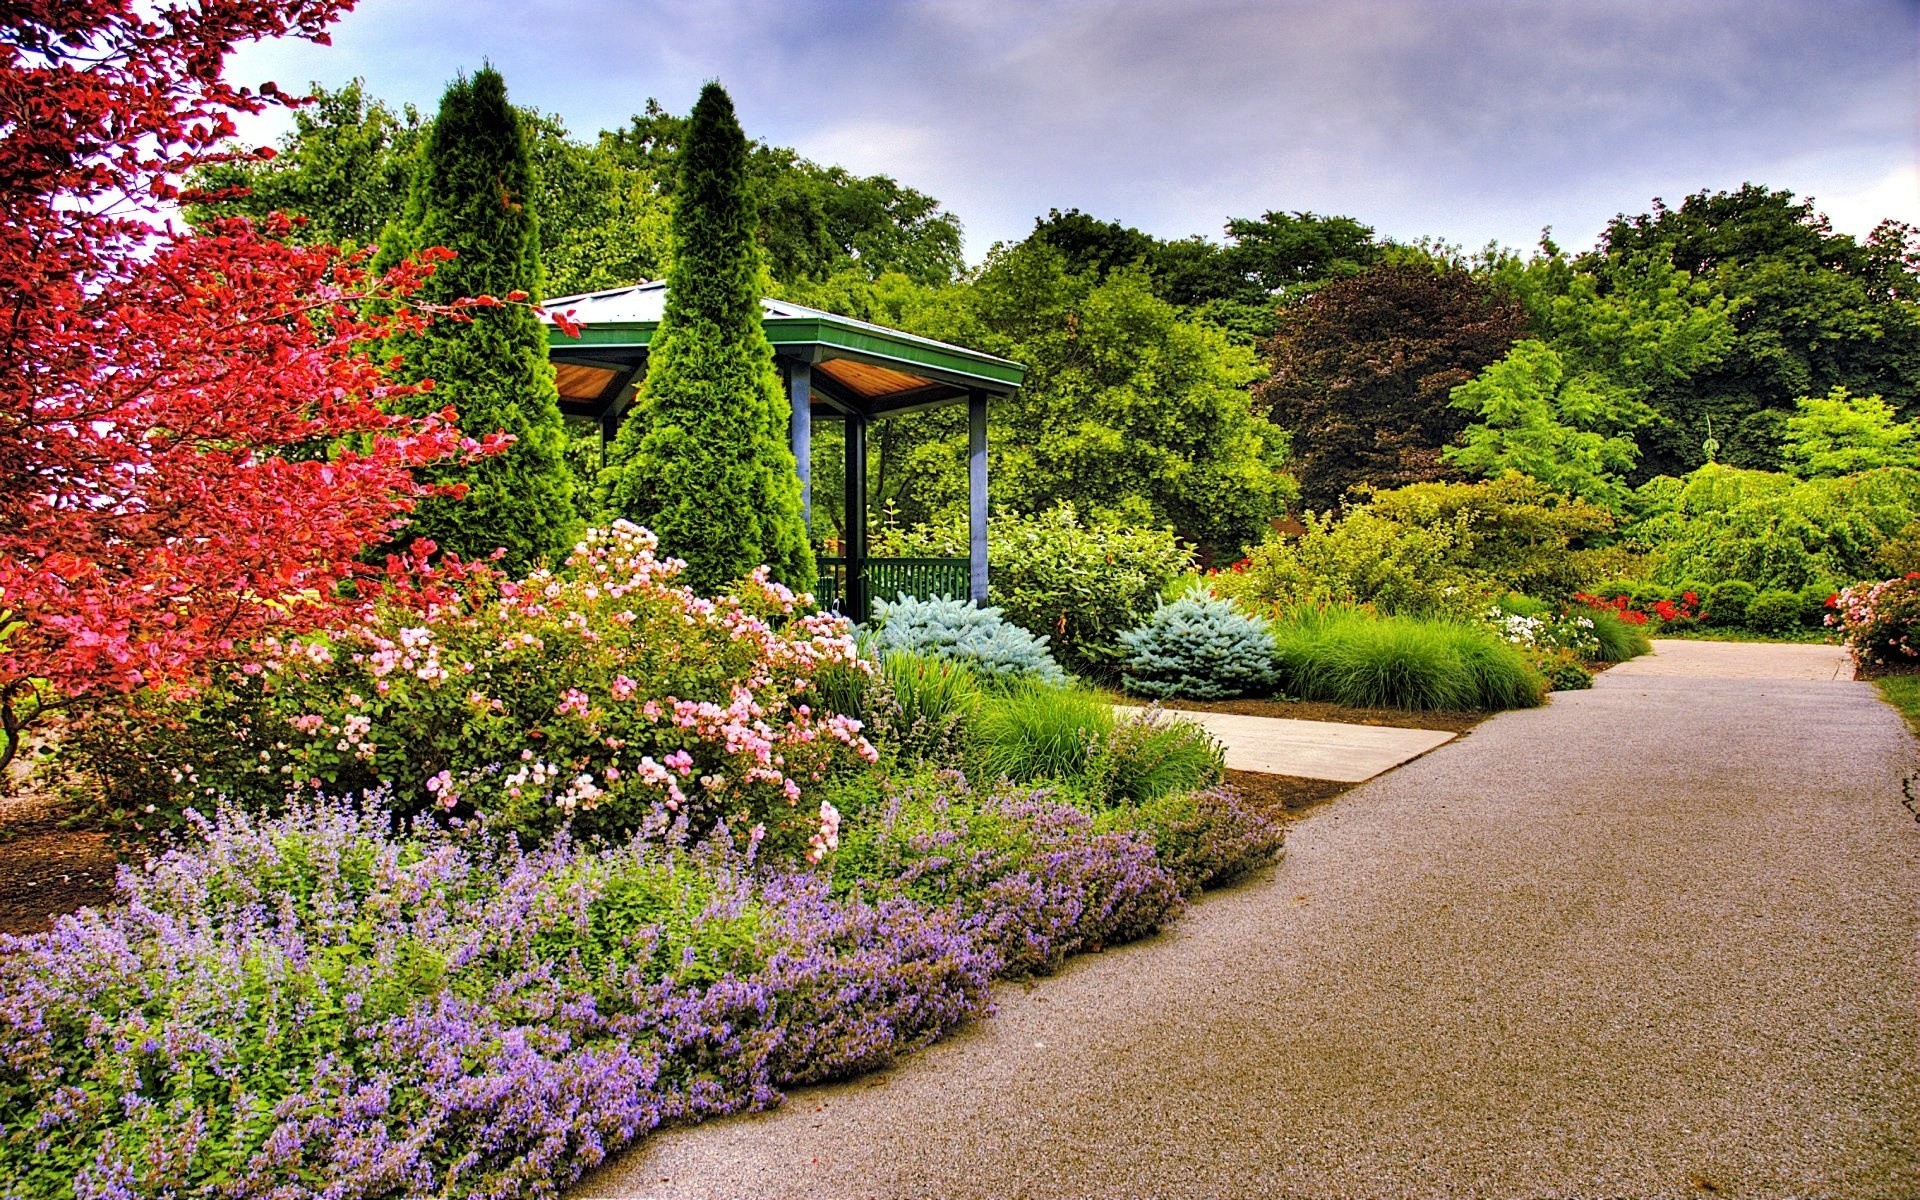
x,y
858,368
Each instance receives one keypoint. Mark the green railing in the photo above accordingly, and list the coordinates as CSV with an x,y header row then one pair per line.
x,y
889,578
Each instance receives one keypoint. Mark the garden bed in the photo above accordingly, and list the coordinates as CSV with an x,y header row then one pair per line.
x,y
47,869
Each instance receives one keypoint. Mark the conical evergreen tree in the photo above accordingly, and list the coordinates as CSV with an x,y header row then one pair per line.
x,y
703,459
471,193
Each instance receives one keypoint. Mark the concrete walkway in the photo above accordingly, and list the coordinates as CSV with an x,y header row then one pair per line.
x,y
1656,939
1313,749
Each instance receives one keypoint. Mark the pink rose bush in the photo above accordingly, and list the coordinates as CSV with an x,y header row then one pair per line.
x,y
1880,622
602,694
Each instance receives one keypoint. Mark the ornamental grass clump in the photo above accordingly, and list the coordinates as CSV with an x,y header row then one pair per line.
x,y
1353,657
993,647
1199,647
602,695
311,1005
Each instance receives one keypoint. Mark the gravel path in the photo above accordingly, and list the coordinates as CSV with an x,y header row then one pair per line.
x,y
1655,940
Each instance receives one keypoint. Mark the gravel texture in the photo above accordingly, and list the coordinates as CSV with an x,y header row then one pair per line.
x,y
1657,939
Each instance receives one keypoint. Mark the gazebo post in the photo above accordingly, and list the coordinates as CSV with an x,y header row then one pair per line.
x,y
800,395
858,603
977,495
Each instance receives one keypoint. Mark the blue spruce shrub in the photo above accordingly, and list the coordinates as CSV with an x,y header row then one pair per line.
x,y
957,630
1200,647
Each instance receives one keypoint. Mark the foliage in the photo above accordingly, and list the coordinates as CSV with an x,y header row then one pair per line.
x,y
1538,418
959,630
1363,367
1839,434
343,170
702,458
470,193
311,998
1202,838
1812,310
1126,409
1030,877
1774,531
1079,582
1775,611
604,695
1155,754
195,444
1234,286
815,223
1200,647
1564,671
1353,657
1880,623
1903,692
1430,548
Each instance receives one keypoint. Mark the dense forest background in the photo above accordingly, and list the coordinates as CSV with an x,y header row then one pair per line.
x,y
1214,385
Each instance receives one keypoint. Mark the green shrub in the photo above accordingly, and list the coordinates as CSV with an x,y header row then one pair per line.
x,y
1775,611
1155,754
920,706
1727,603
1201,838
1775,531
959,630
1080,583
1813,604
1618,640
1352,657
1201,647
1360,558
1431,548
1564,672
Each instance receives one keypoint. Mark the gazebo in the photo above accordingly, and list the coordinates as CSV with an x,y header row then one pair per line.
x,y
835,368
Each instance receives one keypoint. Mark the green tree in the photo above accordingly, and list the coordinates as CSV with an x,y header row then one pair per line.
x,y
1812,310
345,167
1127,409
1840,433
1362,370
813,222
702,458
1557,426
1564,406
470,194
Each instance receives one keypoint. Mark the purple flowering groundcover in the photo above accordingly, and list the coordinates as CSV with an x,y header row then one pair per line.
x,y
310,1005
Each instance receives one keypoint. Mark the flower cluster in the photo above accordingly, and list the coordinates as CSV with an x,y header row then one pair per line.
x,y
601,693
1880,622
1562,631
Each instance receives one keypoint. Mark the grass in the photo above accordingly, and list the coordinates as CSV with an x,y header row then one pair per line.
x,y
1903,692
1619,641
1349,657
1037,731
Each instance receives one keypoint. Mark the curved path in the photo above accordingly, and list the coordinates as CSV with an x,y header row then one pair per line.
x,y
1656,939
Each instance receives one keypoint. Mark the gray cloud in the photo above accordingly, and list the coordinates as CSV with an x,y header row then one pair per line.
x,y
1470,120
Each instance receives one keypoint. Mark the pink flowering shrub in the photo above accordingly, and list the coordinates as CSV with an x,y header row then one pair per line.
x,y
1880,622
602,694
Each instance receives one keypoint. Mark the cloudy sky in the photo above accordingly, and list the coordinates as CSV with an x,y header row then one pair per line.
x,y
1469,120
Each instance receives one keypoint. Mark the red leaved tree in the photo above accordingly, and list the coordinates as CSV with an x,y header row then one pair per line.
x,y
195,437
